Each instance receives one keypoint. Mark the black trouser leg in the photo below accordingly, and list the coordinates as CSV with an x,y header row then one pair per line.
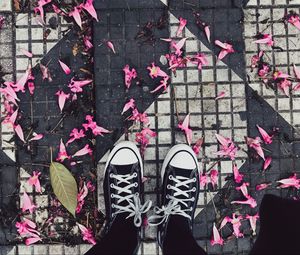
x,y
179,238
279,227
121,239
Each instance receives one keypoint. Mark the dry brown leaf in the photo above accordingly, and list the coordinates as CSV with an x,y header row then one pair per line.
x,y
17,5
75,49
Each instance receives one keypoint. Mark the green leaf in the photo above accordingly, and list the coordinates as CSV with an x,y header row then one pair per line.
x,y
64,186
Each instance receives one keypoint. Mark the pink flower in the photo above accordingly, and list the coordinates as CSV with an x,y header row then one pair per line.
x,y
214,177
36,137
129,75
224,222
64,67
252,221
90,186
155,71
111,46
243,188
80,197
163,84
203,180
216,238
226,49
267,138
143,138
221,95
284,86
45,73
182,24
87,42
197,146
236,224
184,126
140,117
265,39
31,87
200,60
296,71
27,229
19,132
85,150
39,9
262,186
20,84
280,75
62,97
290,182
89,7
27,203
97,130
75,135
267,163
27,53
296,87
207,32
76,86
250,201
256,58
176,61
228,149
34,181
2,20
178,46
294,20
238,178
256,145
129,105
62,154
32,240
87,234
263,70
75,13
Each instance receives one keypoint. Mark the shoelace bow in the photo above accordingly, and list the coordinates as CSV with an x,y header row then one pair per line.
x,y
174,206
134,206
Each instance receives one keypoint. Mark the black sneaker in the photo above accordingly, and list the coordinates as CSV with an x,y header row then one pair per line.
x,y
123,187
180,189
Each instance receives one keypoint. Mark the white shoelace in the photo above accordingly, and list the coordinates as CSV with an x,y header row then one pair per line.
x,y
174,207
134,206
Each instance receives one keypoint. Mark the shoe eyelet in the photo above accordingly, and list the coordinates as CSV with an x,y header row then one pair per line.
x,y
167,196
112,195
191,209
136,194
111,185
135,184
168,186
194,189
111,175
194,179
193,199
112,205
134,174
170,177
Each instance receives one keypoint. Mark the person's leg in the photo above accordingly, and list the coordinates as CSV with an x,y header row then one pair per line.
x,y
279,227
180,190
122,189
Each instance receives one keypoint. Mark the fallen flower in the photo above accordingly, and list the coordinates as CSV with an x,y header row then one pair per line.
x,y
88,44
250,201
243,188
200,60
197,146
62,97
284,85
155,71
76,15
265,39
221,95
111,46
178,46
290,182
65,68
27,229
129,105
182,24
89,7
255,143
62,154
203,180
263,70
19,132
75,135
238,178
163,84
80,197
216,238
20,84
45,72
31,87
236,224
226,49
266,137
34,181
87,234
280,75
143,138
32,240
36,137
27,53
140,117
293,18
97,130
252,220
90,186
256,58
76,86
85,150
129,75
39,9
184,126
228,149
27,203
267,163
207,32
214,177
262,186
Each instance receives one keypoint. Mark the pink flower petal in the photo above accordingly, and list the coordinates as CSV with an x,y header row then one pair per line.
x,y
62,97
89,7
36,137
267,139
76,15
19,132
207,32
27,203
129,105
184,126
66,69
111,46
267,163
85,150
221,95
216,238
27,53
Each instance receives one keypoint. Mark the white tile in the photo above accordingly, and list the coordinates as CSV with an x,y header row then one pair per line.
x,y
5,5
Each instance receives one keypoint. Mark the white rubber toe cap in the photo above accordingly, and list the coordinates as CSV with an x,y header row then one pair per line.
x,y
124,156
183,159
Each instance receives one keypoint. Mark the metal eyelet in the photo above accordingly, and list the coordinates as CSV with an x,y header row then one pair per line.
x,y
111,175
167,196
136,194
112,205
170,177
194,179
112,195
168,186
134,174
111,185
193,199
135,184
194,189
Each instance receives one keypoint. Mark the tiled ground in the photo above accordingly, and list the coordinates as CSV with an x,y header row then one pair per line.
x,y
191,92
